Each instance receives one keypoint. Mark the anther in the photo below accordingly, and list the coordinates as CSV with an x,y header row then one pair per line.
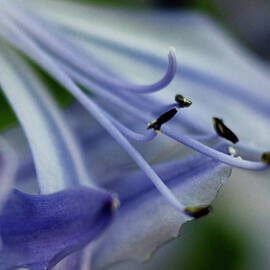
x,y
224,131
266,158
182,102
156,125
198,211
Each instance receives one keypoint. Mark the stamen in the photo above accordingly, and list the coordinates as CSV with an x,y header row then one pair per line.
x,y
182,102
198,211
29,46
189,141
245,164
213,153
156,125
224,131
134,107
67,48
35,26
266,158
195,75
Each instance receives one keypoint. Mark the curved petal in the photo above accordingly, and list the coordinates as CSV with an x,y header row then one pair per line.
x,y
39,230
145,221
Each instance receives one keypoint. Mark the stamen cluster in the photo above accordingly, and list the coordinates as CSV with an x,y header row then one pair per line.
x,y
57,54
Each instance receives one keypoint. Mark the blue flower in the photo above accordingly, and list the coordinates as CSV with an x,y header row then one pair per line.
x,y
80,171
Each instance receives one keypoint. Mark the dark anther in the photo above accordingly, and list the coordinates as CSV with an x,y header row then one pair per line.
x,y
224,131
156,125
182,102
198,211
266,158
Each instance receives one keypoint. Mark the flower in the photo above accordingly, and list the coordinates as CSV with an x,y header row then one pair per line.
x,y
76,203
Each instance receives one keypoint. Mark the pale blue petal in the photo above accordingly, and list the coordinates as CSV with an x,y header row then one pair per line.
x,y
97,146
145,221
57,157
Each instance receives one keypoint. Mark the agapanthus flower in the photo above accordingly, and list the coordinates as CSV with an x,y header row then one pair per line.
x,y
216,94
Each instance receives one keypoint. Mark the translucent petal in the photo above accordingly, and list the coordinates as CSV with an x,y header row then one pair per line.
x,y
144,221
57,157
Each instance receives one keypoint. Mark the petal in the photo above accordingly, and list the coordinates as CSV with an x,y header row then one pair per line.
x,y
57,157
145,221
96,144
39,230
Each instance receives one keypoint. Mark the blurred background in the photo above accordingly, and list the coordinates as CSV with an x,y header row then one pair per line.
x,y
236,236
